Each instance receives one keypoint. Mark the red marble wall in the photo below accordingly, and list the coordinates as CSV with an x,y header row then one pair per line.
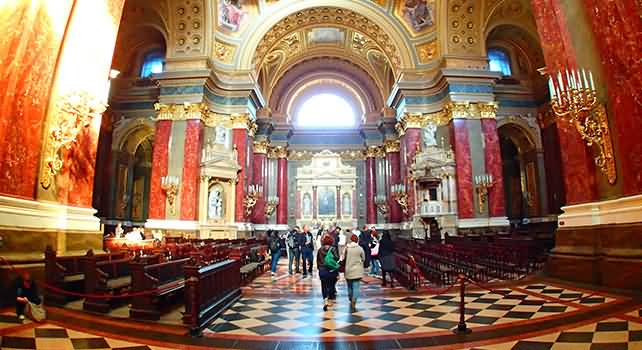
x,y
191,170
31,41
282,188
239,138
493,161
157,198
464,176
259,163
617,30
371,208
553,167
578,166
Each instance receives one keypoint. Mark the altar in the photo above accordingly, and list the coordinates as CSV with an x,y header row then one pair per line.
x,y
326,191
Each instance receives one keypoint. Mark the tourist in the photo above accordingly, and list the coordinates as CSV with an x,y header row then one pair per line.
x,y
275,249
342,241
353,258
375,264
26,294
294,254
328,274
387,257
307,250
364,242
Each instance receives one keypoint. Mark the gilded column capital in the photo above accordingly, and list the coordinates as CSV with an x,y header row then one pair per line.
x,y
468,110
278,152
183,111
261,147
240,121
391,146
375,152
487,110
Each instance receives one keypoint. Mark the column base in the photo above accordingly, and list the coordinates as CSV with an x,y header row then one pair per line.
x,y
499,221
617,211
606,255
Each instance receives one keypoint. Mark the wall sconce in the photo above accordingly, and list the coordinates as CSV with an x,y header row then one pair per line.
x,y
270,206
400,195
253,194
170,184
483,183
574,98
382,204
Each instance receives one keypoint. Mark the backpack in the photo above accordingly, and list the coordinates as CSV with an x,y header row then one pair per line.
x,y
330,262
291,241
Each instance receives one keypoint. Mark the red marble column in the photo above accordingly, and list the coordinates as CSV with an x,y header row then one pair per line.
x,y
259,165
464,176
493,161
412,140
191,170
616,27
157,196
371,208
394,163
559,53
282,188
239,138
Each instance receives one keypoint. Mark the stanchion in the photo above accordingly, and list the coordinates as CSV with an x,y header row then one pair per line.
x,y
461,326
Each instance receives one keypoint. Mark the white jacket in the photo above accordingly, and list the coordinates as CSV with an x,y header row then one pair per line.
x,y
354,257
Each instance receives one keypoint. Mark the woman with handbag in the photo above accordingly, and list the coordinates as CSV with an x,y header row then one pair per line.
x,y
353,258
374,254
328,265
386,254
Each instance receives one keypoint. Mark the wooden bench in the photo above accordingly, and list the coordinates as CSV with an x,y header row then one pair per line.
x,y
405,272
209,291
167,278
104,277
67,273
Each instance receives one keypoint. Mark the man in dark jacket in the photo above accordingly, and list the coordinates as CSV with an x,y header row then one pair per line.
x,y
364,242
307,250
26,292
294,253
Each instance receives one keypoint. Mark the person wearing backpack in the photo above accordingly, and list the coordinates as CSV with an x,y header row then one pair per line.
x,y
353,258
328,266
294,254
307,250
275,249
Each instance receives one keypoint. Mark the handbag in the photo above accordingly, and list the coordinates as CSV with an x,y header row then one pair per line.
x,y
330,262
36,312
342,263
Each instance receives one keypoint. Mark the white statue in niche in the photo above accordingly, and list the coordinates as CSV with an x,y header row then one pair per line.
x,y
208,150
346,204
429,135
221,135
215,203
307,205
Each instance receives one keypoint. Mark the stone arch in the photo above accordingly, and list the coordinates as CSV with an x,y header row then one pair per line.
x,y
521,125
131,133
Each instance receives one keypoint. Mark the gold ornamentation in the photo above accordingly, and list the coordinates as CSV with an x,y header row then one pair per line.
x,y
278,152
352,155
296,155
392,146
483,182
402,200
375,152
468,110
427,51
75,111
261,147
171,184
224,52
184,111
270,206
249,202
382,204
579,105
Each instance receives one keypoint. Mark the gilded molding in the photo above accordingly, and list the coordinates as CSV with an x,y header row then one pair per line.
x,y
261,147
352,155
419,121
392,146
75,111
468,110
278,152
184,111
375,152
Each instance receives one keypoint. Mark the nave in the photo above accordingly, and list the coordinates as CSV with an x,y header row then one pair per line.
x,y
285,312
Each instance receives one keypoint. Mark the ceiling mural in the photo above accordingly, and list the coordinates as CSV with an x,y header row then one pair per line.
x,y
234,15
417,16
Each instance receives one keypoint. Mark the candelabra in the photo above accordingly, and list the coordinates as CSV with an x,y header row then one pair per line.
x,y
382,204
170,184
270,206
574,98
253,194
400,195
483,183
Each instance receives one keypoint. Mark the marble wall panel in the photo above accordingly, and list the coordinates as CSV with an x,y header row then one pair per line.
x,y
464,176
493,161
157,196
191,170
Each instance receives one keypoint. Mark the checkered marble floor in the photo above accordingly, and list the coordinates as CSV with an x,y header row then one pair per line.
x,y
52,337
8,319
609,334
395,315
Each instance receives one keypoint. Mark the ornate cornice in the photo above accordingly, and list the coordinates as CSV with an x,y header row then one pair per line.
x,y
375,152
419,121
261,147
391,146
182,111
278,152
468,110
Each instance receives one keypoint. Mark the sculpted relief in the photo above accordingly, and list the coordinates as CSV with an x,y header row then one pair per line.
x,y
418,13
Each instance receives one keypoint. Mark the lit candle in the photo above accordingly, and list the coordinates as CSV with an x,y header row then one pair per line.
x,y
551,87
592,83
586,83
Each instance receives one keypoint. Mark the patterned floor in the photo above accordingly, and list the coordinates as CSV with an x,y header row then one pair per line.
x,y
610,334
51,337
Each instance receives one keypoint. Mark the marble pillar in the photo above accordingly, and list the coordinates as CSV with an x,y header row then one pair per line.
x,y
260,166
240,139
464,171
493,162
159,169
191,170
394,165
412,141
371,207
282,186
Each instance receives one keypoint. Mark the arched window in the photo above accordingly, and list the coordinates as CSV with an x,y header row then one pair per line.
x,y
153,63
326,110
499,61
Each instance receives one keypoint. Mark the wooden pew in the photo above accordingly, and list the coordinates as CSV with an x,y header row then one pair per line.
x,y
104,277
405,273
166,277
67,273
209,291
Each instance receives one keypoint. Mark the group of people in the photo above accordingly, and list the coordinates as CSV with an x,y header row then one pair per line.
x,y
349,251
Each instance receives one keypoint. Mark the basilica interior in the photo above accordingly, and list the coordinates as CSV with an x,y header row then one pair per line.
x,y
152,150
